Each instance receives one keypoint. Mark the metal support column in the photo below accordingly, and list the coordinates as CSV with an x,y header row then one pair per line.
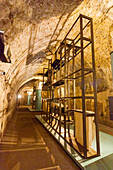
x,y
95,91
83,90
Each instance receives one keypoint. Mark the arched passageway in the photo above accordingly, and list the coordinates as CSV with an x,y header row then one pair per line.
x,y
33,30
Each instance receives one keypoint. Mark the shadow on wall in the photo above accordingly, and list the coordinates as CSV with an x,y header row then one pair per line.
x,y
51,8
47,10
38,58
19,14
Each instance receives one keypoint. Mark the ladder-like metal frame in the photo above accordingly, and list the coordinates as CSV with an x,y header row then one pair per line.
x,y
64,52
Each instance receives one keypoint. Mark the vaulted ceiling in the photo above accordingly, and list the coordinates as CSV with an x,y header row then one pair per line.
x,y
29,28
33,27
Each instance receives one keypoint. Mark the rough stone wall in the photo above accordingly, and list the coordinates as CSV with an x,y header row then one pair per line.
x,y
31,25
7,103
102,13
28,26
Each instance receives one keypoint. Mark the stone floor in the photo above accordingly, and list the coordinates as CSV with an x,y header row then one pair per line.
x,y
26,145
104,161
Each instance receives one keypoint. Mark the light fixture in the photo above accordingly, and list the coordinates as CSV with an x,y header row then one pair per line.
x,y
40,85
1,32
29,92
19,96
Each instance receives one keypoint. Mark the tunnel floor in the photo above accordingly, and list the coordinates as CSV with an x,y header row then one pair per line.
x,y
26,145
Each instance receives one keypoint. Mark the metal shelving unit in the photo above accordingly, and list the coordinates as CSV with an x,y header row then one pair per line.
x,y
67,73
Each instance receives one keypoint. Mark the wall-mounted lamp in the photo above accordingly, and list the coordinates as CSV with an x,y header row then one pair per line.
x,y
19,96
1,32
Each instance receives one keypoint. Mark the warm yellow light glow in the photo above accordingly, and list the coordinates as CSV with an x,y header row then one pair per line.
x,y
19,96
29,92
1,31
40,85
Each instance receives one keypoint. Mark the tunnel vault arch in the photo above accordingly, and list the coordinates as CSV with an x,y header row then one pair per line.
x,y
31,35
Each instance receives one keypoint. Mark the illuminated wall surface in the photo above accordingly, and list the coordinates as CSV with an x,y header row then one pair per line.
x,y
30,26
38,99
112,63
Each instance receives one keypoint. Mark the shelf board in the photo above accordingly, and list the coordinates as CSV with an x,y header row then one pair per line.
x,y
46,74
67,122
58,66
55,63
71,46
75,110
89,70
86,39
88,113
46,99
58,83
75,97
76,48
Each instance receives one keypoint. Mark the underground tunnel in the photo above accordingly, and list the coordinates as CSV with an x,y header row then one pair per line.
x,y
56,83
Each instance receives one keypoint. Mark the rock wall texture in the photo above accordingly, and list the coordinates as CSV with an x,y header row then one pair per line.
x,y
102,13
7,103
28,27
33,27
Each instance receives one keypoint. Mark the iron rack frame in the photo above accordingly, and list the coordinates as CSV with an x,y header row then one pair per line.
x,y
63,62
